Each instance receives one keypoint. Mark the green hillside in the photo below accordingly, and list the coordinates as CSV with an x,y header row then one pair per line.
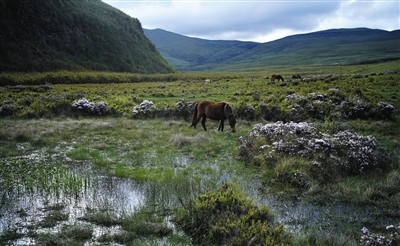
x,y
336,46
74,35
187,53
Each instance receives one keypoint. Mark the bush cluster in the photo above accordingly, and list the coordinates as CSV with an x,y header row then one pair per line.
x,y
335,105
147,109
7,108
185,108
23,81
370,239
327,156
144,109
228,217
84,105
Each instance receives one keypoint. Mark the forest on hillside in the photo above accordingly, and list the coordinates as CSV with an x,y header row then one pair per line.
x,y
74,35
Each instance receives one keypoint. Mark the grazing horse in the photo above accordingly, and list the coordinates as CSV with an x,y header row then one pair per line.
x,y
215,111
278,77
296,76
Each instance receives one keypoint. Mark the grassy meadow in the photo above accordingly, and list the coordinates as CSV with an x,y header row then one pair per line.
x,y
181,170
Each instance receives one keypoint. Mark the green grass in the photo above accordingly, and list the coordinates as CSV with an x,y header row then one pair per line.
x,y
122,94
69,235
174,161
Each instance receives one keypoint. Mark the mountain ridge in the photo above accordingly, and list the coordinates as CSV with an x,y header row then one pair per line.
x,y
327,47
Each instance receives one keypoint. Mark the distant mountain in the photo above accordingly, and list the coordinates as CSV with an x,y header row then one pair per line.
x,y
37,35
187,53
335,46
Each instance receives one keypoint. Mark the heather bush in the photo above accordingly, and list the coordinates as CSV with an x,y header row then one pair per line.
x,y
391,237
249,111
147,109
335,105
355,108
144,109
384,111
328,155
91,108
184,108
7,109
228,217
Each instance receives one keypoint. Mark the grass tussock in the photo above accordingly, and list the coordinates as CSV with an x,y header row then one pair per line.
x,y
180,140
69,235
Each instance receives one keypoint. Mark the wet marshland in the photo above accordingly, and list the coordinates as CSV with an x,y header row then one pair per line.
x,y
105,174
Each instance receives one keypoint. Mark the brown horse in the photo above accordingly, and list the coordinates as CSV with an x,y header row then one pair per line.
x,y
215,111
278,77
296,76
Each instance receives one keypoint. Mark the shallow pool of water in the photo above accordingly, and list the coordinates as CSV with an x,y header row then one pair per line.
x,y
25,209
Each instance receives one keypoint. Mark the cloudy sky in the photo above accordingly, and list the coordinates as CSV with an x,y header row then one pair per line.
x,y
259,20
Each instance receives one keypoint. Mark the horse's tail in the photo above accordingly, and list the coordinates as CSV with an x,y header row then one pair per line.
x,y
194,114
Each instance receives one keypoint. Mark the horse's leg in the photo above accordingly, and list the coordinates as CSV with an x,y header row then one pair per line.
x,y
195,121
203,123
221,125
195,117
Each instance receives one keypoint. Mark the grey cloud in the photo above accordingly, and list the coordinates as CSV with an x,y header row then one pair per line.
x,y
258,18
244,20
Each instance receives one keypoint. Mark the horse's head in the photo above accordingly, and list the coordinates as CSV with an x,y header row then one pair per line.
x,y
232,121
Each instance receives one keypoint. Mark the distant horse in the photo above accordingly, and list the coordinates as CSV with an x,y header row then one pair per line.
x,y
266,77
215,111
296,76
278,77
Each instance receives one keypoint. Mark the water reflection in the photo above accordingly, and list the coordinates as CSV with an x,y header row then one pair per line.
x,y
25,209
28,212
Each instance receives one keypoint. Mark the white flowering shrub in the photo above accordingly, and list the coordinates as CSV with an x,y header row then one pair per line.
x,y
249,111
328,155
184,108
145,109
335,104
85,106
384,111
391,237
354,108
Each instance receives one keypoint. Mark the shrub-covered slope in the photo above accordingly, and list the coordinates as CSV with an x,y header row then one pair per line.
x,y
74,35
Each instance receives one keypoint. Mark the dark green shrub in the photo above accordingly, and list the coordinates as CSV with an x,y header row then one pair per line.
x,y
25,101
355,108
228,217
256,96
384,111
7,110
273,113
